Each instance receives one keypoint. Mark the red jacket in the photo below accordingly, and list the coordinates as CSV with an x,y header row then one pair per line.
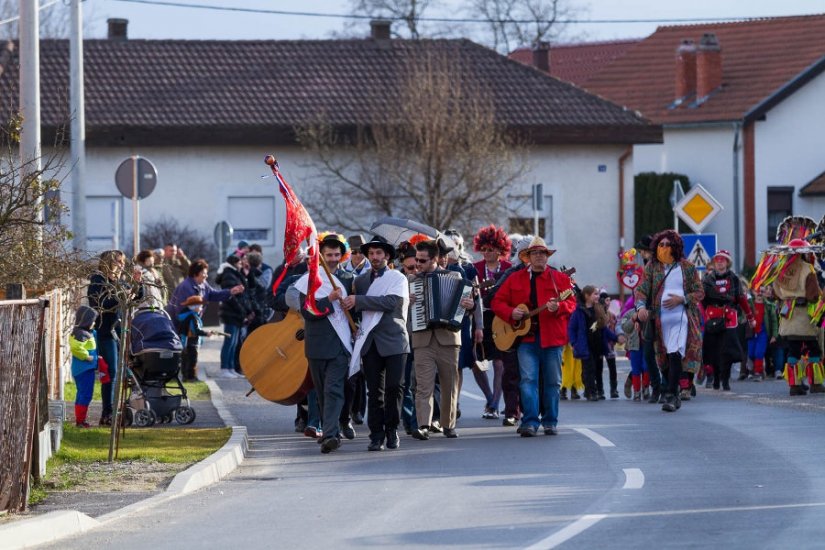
x,y
516,290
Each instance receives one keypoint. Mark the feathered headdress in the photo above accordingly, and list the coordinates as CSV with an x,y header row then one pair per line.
x,y
339,239
494,237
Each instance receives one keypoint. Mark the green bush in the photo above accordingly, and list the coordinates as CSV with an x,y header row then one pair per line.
x,y
653,212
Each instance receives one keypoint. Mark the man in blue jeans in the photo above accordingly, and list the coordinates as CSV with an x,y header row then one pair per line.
x,y
538,287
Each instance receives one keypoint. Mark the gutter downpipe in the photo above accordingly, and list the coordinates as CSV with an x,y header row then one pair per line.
x,y
624,156
737,127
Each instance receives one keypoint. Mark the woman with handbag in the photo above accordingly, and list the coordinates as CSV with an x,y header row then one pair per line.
x,y
724,298
668,296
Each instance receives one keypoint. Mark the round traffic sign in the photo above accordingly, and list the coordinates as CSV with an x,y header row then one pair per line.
x,y
223,235
147,177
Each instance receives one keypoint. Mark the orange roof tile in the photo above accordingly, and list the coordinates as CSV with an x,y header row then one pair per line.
x,y
759,59
576,63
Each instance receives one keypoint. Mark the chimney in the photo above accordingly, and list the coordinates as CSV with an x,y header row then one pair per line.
x,y
380,29
541,56
117,29
685,70
708,66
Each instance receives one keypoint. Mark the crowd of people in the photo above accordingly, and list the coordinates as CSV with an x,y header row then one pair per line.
x,y
372,361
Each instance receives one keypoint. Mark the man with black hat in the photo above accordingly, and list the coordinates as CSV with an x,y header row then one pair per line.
x,y
382,296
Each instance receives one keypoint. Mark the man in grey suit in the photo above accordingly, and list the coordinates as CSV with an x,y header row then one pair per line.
x,y
382,296
328,346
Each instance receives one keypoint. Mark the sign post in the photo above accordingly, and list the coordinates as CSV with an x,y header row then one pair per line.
x,y
223,238
136,178
538,206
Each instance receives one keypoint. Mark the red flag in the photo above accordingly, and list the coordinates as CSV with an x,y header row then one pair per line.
x,y
299,227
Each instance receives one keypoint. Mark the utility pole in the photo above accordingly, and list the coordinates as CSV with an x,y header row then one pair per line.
x,y
78,145
30,97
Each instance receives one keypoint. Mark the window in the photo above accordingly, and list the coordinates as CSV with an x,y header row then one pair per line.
x,y
252,218
780,206
521,219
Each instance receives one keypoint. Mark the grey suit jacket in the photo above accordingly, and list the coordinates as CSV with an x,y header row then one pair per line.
x,y
390,334
320,339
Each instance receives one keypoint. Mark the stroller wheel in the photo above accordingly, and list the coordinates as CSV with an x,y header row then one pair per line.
x,y
184,415
144,418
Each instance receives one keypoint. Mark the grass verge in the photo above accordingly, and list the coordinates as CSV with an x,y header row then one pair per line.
x,y
147,459
197,391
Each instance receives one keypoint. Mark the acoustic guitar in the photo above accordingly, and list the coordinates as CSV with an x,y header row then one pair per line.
x,y
505,333
272,359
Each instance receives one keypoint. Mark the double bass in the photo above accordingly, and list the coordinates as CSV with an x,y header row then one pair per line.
x,y
272,359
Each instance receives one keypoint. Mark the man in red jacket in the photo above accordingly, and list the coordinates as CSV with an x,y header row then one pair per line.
x,y
538,286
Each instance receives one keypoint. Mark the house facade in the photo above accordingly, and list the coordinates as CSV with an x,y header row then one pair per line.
x,y
206,112
741,111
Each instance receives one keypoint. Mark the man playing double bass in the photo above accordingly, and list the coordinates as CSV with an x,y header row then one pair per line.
x,y
382,295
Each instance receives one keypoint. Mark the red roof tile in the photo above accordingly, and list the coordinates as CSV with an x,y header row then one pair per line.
x,y
759,58
576,63
166,90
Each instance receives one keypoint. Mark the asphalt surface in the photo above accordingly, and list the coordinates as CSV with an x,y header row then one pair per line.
x,y
730,469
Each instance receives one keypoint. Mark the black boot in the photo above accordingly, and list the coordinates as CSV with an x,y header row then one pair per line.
x,y
654,396
670,403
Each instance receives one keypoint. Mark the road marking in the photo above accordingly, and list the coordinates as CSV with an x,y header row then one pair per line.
x,y
472,396
560,537
634,478
599,440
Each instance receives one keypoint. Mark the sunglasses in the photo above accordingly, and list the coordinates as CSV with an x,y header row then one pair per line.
x,y
422,261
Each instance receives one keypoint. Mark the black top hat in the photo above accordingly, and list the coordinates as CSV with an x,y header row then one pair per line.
x,y
645,242
379,242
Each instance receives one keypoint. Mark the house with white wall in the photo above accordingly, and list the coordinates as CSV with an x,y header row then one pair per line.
x,y
742,110
206,112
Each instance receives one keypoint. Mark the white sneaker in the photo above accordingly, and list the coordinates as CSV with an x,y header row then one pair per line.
x,y
227,373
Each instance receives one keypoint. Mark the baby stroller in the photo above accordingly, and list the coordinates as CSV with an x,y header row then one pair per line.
x,y
157,393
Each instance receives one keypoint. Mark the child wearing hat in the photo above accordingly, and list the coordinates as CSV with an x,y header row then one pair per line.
x,y
85,362
190,330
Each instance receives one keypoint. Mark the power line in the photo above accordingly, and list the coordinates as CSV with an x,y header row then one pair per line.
x,y
433,19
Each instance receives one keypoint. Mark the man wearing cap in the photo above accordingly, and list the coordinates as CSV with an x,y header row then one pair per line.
x,y
382,296
721,346
356,263
538,286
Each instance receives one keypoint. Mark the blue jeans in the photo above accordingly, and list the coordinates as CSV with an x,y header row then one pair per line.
x,y
108,349
313,409
230,346
533,361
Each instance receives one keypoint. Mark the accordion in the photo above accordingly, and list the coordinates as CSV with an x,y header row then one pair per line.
x,y
437,299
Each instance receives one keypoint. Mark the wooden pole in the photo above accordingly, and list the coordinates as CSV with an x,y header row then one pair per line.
x,y
352,326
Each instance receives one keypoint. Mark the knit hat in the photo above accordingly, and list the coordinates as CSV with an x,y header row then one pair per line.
x,y
724,254
85,317
193,300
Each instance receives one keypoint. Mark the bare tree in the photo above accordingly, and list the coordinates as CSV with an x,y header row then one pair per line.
x,y
407,11
515,23
435,154
54,20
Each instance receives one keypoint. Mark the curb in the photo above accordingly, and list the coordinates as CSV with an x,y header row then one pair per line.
x,y
56,525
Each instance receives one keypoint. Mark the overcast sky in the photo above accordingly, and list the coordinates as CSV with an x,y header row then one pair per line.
x,y
157,21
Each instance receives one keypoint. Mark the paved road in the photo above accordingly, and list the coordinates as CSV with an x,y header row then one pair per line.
x,y
725,471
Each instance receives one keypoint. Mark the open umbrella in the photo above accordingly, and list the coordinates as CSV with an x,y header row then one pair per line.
x,y
398,230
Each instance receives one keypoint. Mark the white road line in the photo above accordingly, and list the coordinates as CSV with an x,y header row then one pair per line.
x,y
634,478
560,537
472,396
599,440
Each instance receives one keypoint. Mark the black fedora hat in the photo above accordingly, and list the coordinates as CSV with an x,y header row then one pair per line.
x,y
378,242
645,243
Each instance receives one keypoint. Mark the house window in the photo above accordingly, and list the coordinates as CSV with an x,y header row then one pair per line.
x,y
253,219
521,219
780,206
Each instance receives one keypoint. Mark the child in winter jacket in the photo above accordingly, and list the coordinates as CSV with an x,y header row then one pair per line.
x,y
589,335
190,330
85,362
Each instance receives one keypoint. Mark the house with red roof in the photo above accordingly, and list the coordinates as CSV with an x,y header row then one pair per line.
x,y
742,110
206,112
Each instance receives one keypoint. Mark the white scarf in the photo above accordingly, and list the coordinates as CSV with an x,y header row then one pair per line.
x,y
391,283
337,318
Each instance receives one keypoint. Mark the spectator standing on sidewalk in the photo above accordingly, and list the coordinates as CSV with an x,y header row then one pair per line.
x,y
175,266
235,313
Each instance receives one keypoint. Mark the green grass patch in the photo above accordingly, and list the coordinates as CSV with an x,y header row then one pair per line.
x,y
165,445
197,391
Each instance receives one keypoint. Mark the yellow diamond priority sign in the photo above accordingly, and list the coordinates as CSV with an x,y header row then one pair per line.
x,y
697,208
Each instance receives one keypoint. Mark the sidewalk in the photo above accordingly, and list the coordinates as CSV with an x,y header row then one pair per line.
x,y
67,513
